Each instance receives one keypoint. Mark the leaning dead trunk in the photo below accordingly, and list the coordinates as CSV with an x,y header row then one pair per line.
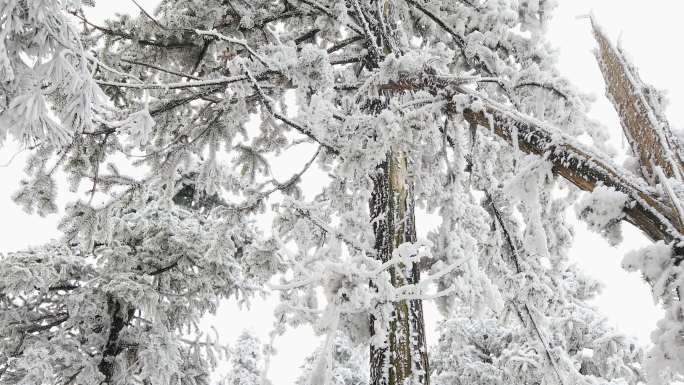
x,y
397,350
644,124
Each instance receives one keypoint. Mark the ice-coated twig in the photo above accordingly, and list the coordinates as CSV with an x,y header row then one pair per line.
x,y
231,40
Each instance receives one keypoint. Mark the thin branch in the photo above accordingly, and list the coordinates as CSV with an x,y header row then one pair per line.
x,y
228,39
144,12
366,28
259,197
175,86
309,35
131,37
314,4
546,86
457,38
166,268
515,256
338,46
326,229
202,54
168,71
48,326
350,60
267,103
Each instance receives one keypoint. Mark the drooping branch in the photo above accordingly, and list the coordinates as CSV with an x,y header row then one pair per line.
x,y
524,311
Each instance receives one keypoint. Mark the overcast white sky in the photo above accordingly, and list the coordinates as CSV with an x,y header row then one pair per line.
x,y
650,32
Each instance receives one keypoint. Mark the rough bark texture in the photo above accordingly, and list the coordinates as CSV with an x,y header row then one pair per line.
x,y
119,317
647,132
398,350
650,213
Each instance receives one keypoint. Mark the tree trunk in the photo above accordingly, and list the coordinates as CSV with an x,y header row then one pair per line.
x,y
646,128
397,351
119,316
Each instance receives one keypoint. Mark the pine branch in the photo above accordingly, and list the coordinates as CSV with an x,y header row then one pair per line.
x,y
515,258
441,23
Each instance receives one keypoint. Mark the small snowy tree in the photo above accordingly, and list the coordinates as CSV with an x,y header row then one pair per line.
x,y
449,106
246,362
349,364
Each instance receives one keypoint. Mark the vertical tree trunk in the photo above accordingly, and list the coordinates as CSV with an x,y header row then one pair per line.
x,y
397,352
120,315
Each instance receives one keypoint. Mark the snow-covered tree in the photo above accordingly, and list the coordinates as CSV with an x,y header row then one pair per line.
x,y
246,361
454,107
349,363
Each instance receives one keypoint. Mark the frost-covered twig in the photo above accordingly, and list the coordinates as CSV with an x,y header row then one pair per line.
x,y
327,229
158,68
231,40
457,38
314,4
515,257
178,85
370,36
292,285
267,101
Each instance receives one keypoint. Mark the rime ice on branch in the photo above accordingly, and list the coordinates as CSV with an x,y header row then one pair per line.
x,y
199,101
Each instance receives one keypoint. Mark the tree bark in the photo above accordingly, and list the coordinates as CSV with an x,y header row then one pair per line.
x,y
646,129
397,351
118,318
646,210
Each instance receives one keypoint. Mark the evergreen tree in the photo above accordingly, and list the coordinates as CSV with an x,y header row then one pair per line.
x,y
449,106
349,363
246,361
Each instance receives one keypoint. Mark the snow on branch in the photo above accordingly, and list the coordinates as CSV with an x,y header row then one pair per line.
x,y
638,107
231,40
582,167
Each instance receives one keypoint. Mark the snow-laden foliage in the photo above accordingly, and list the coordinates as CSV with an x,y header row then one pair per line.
x,y
202,100
126,304
602,210
664,360
350,363
246,362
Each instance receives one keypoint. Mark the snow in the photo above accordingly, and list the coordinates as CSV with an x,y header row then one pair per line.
x,y
161,260
651,260
602,210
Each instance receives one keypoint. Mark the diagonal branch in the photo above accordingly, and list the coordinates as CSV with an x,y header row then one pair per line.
x,y
457,38
315,5
266,100
157,68
220,36
584,168
515,259
645,127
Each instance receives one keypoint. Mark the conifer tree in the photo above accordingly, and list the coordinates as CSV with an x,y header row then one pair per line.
x,y
246,361
453,107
